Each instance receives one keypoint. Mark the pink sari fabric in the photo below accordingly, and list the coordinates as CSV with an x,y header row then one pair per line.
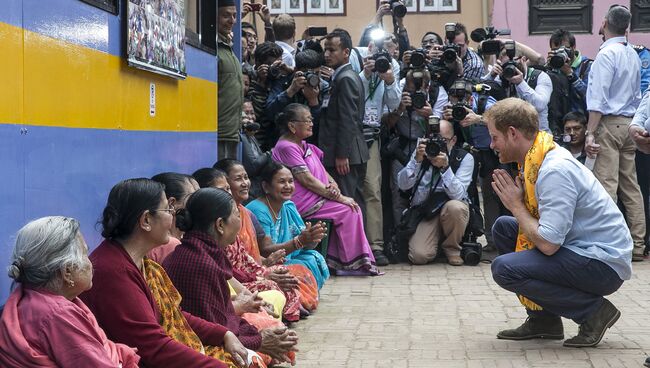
x,y
42,329
348,246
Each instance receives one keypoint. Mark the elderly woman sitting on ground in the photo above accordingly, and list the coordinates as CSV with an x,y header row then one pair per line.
x,y
44,324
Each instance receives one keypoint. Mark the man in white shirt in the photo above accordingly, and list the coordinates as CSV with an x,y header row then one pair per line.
x,y
284,27
613,95
539,95
451,174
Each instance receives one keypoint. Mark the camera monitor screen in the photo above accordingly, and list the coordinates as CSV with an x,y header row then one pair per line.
x,y
156,36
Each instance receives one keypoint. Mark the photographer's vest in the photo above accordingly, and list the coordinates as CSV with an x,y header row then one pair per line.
x,y
456,156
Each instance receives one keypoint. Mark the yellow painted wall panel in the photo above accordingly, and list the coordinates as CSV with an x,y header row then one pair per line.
x,y
73,86
11,75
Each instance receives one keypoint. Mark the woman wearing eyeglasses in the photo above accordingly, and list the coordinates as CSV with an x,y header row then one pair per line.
x,y
317,195
132,296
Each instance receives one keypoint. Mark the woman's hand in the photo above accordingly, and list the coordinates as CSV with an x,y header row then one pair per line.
x,y
312,234
282,277
247,303
349,202
239,353
278,342
274,258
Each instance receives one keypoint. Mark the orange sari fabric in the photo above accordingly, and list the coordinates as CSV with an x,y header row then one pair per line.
x,y
307,284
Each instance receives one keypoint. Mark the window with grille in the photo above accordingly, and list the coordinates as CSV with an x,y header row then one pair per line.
x,y
545,16
640,15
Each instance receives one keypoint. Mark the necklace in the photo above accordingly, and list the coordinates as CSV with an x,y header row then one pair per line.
x,y
275,215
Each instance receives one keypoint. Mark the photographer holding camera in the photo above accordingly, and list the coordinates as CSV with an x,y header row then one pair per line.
x,y
438,175
269,68
468,103
400,39
304,87
410,123
382,93
512,72
473,67
569,62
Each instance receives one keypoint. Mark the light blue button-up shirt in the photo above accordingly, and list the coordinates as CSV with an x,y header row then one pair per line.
x,y
577,213
615,79
642,116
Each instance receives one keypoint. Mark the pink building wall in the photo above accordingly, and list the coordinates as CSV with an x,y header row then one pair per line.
x,y
513,14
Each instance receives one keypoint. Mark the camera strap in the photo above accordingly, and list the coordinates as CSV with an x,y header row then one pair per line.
x,y
374,84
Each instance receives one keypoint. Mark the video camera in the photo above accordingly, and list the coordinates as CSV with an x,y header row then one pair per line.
x,y
560,56
435,142
487,35
450,51
510,67
462,89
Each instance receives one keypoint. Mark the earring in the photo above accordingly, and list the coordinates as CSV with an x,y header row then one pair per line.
x,y
220,232
147,228
71,283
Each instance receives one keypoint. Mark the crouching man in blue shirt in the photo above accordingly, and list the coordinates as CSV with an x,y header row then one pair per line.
x,y
567,245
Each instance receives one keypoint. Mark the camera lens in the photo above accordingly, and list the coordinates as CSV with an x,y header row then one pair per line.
x,y
557,61
418,99
417,60
398,9
471,253
382,64
458,112
509,70
432,149
312,79
449,55
274,72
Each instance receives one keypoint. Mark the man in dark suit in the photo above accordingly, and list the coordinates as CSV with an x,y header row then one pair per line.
x,y
341,129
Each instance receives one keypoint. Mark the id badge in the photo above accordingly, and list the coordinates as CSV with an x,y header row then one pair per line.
x,y
371,116
326,101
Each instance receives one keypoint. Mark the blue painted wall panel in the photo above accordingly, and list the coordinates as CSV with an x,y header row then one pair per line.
x,y
11,12
12,196
70,172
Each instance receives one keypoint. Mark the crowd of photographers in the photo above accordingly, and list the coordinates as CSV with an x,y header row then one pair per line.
x,y
417,106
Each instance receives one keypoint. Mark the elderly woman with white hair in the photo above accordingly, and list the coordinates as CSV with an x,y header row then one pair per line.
x,y
43,323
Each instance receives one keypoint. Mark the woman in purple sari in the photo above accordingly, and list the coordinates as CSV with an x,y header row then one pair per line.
x,y
317,195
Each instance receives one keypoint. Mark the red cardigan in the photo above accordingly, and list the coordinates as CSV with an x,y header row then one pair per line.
x,y
124,307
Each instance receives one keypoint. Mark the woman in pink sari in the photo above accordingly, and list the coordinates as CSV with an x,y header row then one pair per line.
x,y
317,195
44,324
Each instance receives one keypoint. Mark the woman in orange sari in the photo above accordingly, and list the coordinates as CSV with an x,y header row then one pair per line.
x,y
285,275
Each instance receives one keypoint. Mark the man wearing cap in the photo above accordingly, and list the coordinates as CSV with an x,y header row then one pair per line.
x,y
231,83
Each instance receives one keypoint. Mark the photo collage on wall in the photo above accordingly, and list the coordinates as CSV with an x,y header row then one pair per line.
x,y
307,7
156,36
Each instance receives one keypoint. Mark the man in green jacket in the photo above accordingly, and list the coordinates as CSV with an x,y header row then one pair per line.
x,y
231,85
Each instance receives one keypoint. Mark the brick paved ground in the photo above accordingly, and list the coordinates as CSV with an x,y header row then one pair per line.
x,y
443,316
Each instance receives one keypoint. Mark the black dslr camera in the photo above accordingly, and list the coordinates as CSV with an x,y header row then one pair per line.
x,y
487,35
560,56
398,8
509,68
471,252
461,89
435,142
274,72
312,79
382,58
451,50
418,58
418,99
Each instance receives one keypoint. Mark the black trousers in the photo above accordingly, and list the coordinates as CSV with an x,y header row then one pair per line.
x,y
351,185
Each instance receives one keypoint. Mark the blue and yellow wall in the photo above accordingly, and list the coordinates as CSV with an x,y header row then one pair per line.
x,y
74,118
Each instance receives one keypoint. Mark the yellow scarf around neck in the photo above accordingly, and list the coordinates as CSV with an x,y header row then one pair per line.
x,y
534,158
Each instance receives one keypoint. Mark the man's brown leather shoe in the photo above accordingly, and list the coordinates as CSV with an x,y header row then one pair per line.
x,y
591,332
536,328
